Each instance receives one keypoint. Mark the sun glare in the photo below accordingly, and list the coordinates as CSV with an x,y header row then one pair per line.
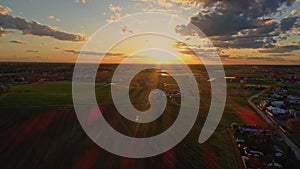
x,y
153,49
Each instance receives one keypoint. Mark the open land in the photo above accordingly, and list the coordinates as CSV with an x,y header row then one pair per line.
x,y
39,127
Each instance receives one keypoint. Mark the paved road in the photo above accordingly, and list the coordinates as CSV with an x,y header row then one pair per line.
x,y
273,123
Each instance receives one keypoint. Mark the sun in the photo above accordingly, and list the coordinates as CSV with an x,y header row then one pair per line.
x,y
150,49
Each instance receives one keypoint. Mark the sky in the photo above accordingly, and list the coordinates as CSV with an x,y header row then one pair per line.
x,y
241,31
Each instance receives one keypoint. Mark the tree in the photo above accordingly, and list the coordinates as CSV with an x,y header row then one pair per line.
x,y
234,125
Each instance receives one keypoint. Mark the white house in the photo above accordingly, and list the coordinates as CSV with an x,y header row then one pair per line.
x,y
263,104
275,111
277,104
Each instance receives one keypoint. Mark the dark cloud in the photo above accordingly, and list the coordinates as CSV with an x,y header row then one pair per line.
x,y
125,29
224,56
265,58
32,51
71,51
246,42
288,23
35,28
16,42
281,49
240,24
266,5
282,54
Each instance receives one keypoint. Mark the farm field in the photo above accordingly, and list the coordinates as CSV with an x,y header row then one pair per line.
x,y
39,127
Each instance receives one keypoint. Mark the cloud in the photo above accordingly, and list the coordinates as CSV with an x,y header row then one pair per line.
x,y
4,10
71,51
282,54
281,49
32,51
125,29
92,53
116,10
244,4
165,3
17,42
272,59
113,8
54,17
78,1
230,17
288,23
166,10
165,6
192,51
240,24
248,42
37,29
294,12
3,32
296,31
115,17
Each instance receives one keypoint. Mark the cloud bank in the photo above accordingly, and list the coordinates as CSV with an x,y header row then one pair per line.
x,y
243,24
33,28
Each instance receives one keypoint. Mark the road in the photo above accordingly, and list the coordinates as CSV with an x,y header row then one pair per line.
x,y
291,144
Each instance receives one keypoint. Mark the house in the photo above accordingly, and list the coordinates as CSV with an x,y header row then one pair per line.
x,y
250,128
275,111
279,104
230,78
263,104
276,96
294,99
281,90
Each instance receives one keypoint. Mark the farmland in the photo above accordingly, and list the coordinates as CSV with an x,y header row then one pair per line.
x,y
40,128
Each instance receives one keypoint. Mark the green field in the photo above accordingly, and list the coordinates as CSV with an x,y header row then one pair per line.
x,y
44,95
55,96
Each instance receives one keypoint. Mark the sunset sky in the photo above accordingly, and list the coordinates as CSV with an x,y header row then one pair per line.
x,y
242,31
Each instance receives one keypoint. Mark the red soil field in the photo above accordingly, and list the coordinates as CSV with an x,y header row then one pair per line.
x,y
249,116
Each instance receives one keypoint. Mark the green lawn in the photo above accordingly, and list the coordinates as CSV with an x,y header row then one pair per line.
x,y
46,94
